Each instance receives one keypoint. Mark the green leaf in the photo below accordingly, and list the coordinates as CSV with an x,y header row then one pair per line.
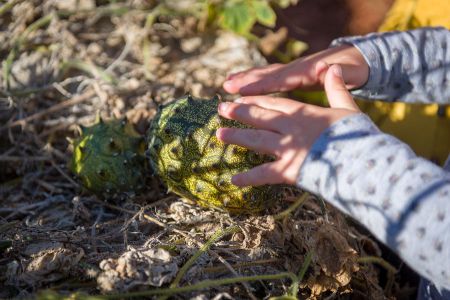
x,y
264,13
237,17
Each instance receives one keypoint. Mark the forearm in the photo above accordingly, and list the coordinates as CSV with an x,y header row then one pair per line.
x,y
411,66
401,198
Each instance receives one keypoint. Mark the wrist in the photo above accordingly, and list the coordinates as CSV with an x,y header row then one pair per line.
x,y
355,70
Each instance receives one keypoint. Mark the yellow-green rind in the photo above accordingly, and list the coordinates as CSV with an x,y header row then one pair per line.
x,y
109,160
184,151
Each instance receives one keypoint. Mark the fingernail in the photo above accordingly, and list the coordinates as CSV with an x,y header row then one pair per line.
x,y
227,84
223,106
235,180
337,70
321,66
218,133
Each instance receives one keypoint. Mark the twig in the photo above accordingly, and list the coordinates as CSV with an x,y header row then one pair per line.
x,y
203,246
73,182
51,188
89,68
7,6
160,201
34,207
60,106
93,231
62,90
215,237
49,148
123,54
7,64
27,91
24,158
115,207
54,128
156,221
219,234
7,226
130,220
233,271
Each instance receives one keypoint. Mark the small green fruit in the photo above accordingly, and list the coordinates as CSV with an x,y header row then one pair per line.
x,y
109,159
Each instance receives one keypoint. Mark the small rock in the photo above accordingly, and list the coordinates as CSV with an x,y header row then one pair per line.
x,y
190,45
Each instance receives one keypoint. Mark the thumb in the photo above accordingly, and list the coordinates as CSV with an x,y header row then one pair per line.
x,y
337,94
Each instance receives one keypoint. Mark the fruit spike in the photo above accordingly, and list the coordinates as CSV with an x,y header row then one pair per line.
x,y
98,118
81,148
218,98
83,129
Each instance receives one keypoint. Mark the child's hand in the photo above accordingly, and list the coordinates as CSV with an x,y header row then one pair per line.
x,y
304,73
284,128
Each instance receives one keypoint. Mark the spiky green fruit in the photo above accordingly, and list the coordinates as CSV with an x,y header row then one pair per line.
x,y
109,159
185,153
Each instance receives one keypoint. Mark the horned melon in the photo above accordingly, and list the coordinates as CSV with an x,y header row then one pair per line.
x,y
187,156
109,159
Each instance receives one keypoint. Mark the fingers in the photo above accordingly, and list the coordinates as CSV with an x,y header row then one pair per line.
x,y
337,94
261,141
255,116
273,78
283,105
254,71
268,173
235,82
321,69
277,81
276,172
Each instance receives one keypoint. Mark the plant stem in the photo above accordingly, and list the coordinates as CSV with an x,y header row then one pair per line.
x,y
7,64
202,285
293,290
305,266
219,234
291,208
391,270
91,69
7,6
242,265
380,261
